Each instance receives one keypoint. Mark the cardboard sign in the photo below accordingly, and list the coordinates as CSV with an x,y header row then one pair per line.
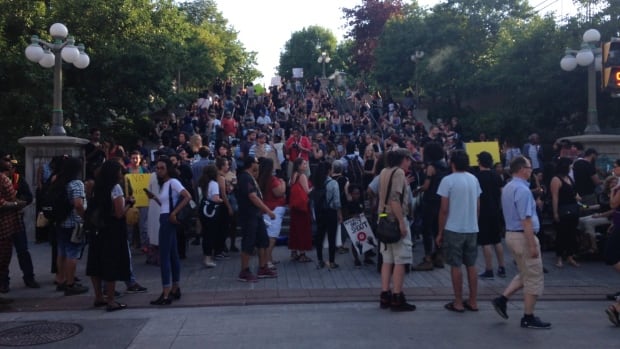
x,y
139,182
360,233
474,148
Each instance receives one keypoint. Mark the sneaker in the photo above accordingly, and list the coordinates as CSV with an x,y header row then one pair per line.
x,y
501,272
247,276
487,275
136,288
209,263
535,322
31,283
385,299
222,256
500,307
271,266
357,263
75,289
423,266
399,303
266,273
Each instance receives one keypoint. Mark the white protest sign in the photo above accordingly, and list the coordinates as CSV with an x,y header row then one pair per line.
x,y
360,233
298,73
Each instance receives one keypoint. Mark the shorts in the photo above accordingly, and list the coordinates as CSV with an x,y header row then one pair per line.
x,y
400,252
489,231
530,269
460,248
253,234
274,226
66,248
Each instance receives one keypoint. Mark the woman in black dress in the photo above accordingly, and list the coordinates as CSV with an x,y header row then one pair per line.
x,y
108,254
565,213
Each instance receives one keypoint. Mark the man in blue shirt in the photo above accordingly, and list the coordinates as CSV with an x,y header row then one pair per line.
x,y
522,224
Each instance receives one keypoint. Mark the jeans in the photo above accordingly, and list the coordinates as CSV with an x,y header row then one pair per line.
x,y
20,241
168,253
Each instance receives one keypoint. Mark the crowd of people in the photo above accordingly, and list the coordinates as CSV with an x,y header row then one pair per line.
x,y
241,161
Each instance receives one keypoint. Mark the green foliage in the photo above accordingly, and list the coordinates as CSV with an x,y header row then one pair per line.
x,y
304,48
139,51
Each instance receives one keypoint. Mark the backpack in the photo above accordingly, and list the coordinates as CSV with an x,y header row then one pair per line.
x,y
55,203
319,197
355,172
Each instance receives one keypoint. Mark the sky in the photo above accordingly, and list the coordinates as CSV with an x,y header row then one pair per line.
x,y
265,26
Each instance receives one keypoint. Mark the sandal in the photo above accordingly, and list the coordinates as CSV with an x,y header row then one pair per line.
x,y
613,315
304,259
468,306
116,306
450,307
294,256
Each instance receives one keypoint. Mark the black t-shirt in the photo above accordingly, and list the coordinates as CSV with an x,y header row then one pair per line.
x,y
246,185
490,198
583,170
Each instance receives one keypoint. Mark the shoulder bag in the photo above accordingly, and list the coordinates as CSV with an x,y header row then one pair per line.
x,y
388,231
185,214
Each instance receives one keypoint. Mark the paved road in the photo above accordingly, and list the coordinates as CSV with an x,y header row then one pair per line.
x,y
576,324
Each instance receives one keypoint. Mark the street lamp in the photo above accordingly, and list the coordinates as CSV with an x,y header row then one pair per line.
x,y
588,56
51,55
324,58
416,58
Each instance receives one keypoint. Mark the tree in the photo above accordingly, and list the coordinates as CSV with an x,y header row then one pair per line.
x,y
304,48
366,22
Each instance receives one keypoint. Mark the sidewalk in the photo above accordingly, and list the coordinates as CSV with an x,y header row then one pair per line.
x,y
297,282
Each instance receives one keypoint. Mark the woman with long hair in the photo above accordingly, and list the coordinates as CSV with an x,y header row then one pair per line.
x,y
172,198
274,191
210,223
328,213
300,236
565,213
108,252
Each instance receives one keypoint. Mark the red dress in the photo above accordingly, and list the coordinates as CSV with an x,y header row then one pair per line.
x,y
300,233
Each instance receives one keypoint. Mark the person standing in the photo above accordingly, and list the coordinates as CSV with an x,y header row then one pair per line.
x,y
489,222
522,224
168,250
328,212
253,230
300,236
586,178
565,213
297,146
396,255
458,228
274,189
9,218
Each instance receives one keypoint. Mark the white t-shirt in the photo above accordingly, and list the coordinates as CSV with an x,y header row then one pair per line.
x,y
463,191
117,191
177,188
212,190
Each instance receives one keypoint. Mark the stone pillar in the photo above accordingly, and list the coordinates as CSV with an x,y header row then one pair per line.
x,y
324,84
40,150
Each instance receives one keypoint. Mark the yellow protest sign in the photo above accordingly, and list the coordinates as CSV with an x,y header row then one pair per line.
x,y
474,148
139,182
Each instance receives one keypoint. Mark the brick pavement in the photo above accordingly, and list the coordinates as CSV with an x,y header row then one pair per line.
x,y
299,282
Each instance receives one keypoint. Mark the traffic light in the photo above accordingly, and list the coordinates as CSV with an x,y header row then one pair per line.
x,y
610,79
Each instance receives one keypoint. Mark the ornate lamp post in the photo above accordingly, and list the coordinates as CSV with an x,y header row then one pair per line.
x,y
51,55
324,58
589,56
416,58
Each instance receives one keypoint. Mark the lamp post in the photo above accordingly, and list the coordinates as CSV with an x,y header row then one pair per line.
x,y
324,58
416,58
51,54
588,56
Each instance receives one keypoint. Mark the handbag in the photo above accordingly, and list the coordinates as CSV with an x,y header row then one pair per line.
x,y
185,214
299,200
42,221
388,231
132,215
77,235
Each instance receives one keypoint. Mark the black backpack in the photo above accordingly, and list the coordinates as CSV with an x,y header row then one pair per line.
x,y
55,203
319,197
355,172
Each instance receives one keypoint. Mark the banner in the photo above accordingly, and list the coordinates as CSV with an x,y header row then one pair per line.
x,y
474,148
139,182
298,73
362,237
